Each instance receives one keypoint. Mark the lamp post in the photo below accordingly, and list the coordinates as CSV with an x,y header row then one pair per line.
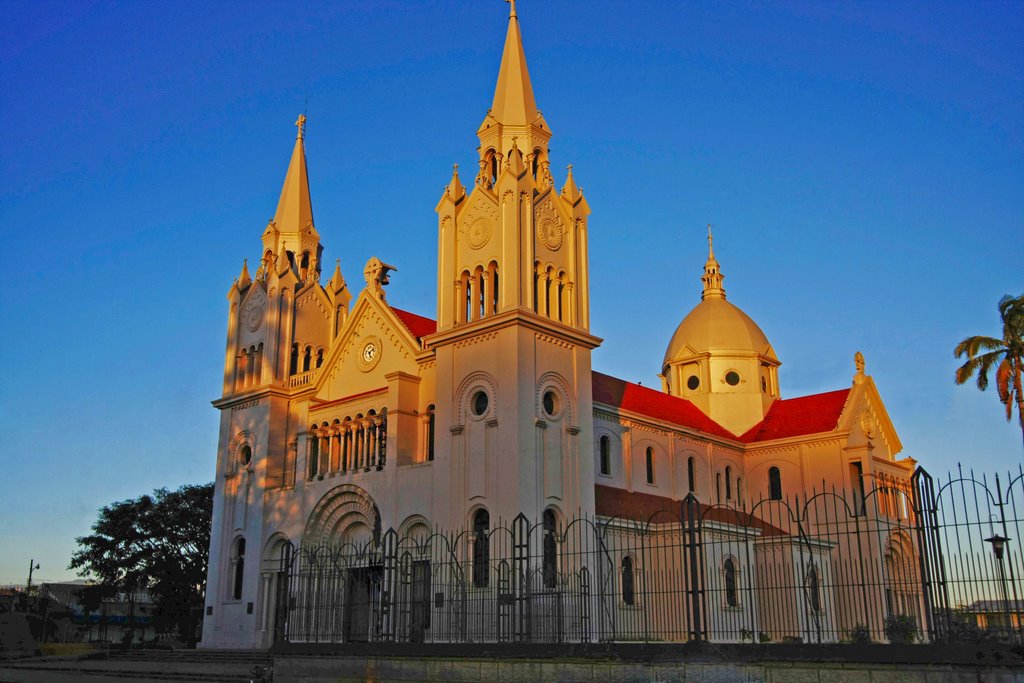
x,y
32,565
998,547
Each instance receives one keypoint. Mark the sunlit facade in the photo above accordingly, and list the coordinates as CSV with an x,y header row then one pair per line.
x,y
343,417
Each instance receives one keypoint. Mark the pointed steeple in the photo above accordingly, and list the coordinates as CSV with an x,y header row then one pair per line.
x,y
712,277
243,279
455,189
337,281
513,97
294,209
570,191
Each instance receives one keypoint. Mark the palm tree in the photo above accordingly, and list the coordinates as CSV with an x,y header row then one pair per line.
x,y
1006,355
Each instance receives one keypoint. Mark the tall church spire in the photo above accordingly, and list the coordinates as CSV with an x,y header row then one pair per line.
x,y
712,277
513,96
291,233
294,209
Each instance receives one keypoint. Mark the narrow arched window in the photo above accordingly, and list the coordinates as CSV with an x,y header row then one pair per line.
x,y
294,365
239,562
307,358
731,595
481,548
606,456
718,486
550,562
319,357
628,585
245,455
774,484
492,305
304,266
649,459
431,421
813,590
314,451
728,483
689,475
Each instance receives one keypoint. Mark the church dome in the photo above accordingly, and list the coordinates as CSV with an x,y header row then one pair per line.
x,y
716,325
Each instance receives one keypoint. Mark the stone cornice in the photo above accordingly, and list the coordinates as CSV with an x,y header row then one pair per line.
x,y
520,317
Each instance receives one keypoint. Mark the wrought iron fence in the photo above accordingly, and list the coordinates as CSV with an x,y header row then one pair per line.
x,y
906,561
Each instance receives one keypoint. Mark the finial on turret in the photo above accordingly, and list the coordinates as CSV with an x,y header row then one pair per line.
x,y
512,9
300,123
243,279
712,277
858,363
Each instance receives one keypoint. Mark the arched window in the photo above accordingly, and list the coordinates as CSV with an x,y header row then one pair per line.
x,y
304,266
813,590
307,358
481,548
649,460
492,272
728,483
561,296
718,486
774,484
731,595
606,456
319,357
689,475
239,562
628,586
293,367
245,455
314,451
431,421
550,563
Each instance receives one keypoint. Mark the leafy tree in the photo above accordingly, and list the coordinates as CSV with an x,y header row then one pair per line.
x,y
156,543
1006,355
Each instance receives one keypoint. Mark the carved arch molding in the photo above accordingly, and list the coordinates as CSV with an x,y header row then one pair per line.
x,y
340,509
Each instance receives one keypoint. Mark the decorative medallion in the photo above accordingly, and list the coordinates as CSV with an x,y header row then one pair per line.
x,y
369,353
252,313
479,232
477,225
549,226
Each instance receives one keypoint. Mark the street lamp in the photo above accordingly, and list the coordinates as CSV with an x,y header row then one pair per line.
x,y
998,546
32,564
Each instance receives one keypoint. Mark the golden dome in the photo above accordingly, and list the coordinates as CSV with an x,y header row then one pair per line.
x,y
715,325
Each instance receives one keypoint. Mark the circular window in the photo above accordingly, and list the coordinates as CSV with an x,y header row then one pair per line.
x,y
693,382
732,378
479,403
245,454
550,402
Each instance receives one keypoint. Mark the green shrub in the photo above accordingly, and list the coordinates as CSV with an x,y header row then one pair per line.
x,y
859,635
900,628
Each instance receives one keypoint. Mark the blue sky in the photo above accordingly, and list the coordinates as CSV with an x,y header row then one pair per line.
x,y
863,164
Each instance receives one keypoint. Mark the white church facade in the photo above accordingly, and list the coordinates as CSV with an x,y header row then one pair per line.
x,y
346,422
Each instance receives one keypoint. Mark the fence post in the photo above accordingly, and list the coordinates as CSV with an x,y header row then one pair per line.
x,y
929,546
691,512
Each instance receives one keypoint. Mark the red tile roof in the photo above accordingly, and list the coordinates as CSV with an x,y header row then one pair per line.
x,y
798,416
417,324
646,507
657,404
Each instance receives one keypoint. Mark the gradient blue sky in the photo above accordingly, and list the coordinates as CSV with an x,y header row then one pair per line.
x,y
863,164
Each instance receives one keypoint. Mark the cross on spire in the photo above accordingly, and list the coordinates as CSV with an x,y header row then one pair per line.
x,y
512,9
300,123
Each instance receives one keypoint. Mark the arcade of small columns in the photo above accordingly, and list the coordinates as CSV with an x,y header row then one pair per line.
x,y
477,290
347,445
249,367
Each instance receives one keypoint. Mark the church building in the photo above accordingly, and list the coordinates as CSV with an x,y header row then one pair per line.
x,y
345,419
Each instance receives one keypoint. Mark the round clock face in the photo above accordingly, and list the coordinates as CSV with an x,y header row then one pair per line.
x,y
369,354
252,314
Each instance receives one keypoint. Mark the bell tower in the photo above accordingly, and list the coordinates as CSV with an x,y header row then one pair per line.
x,y
513,343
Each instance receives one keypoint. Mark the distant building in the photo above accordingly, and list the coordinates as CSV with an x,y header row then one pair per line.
x,y
343,417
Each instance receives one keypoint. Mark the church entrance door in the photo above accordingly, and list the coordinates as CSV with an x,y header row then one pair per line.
x,y
362,585
420,612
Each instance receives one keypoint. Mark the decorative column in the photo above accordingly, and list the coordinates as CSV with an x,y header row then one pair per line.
x,y
485,295
460,303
